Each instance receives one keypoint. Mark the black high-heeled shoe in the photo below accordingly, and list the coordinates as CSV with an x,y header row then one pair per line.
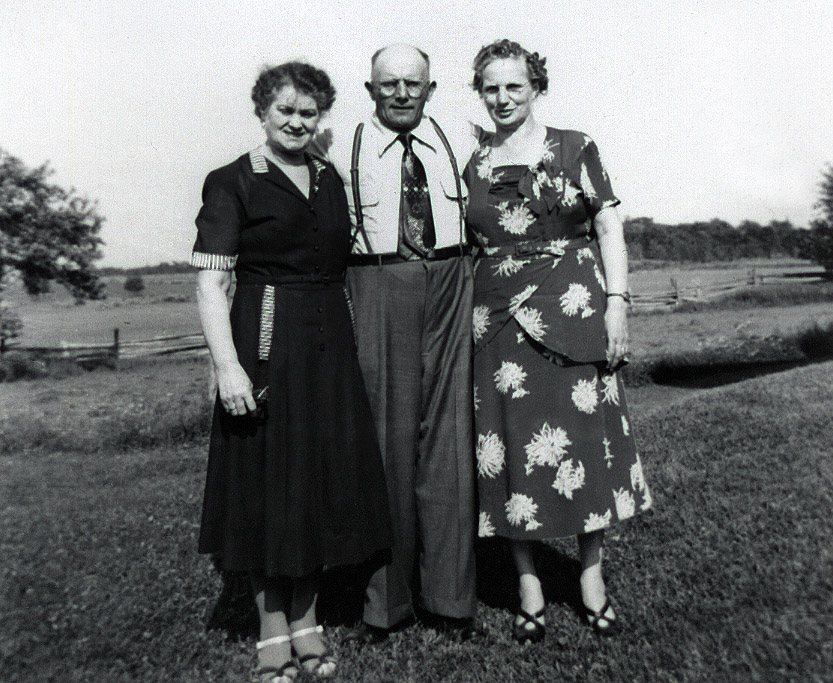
x,y
529,635
600,623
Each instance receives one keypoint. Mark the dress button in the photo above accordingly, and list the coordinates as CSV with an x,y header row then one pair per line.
x,y
321,329
316,248
320,310
322,347
315,228
317,269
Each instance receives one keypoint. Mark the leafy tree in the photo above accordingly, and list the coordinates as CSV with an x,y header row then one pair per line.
x,y
47,234
821,231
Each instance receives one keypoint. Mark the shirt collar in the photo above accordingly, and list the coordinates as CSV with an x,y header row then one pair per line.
x,y
386,138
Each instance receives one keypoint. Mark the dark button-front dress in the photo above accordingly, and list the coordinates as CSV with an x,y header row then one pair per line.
x,y
303,485
555,452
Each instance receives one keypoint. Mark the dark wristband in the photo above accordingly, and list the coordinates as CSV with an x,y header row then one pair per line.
x,y
626,296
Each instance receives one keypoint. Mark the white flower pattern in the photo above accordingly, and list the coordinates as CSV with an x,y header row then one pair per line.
x,y
517,301
575,299
480,322
547,447
610,389
625,505
599,277
490,454
594,521
583,253
532,321
557,247
521,508
511,376
570,192
569,478
515,218
509,266
586,184
486,167
485,528
585,397
608,452
626,428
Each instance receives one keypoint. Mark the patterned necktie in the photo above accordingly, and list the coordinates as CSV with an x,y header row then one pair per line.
x,y
416,222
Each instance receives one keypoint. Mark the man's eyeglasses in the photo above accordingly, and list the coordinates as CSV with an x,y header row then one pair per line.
x,y
413,88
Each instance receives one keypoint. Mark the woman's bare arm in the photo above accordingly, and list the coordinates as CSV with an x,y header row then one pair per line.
x,y
614,252
233,383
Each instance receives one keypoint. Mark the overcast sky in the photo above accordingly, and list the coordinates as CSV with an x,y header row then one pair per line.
x,y
700,109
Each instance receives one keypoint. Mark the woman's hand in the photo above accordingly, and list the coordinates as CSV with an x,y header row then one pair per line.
x,y
235,389
233,383
616,323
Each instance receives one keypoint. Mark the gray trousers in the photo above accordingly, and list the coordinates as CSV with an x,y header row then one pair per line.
x,y
413,330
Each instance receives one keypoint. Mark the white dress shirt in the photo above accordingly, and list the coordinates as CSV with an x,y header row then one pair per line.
x,y
380,180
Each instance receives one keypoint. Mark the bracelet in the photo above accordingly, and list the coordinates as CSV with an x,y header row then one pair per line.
x,y
626,296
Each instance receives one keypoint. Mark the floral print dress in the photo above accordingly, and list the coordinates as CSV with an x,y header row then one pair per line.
x,y
555,452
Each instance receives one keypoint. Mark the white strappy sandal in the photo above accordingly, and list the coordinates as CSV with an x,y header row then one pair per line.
x,y
327,662
286,672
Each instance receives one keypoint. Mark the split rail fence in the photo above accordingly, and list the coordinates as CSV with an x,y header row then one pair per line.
x,y
194,344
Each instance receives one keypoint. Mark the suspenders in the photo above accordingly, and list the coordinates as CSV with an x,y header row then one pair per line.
x,y
354,183
357,200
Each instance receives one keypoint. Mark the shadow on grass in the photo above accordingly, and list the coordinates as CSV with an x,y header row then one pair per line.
x,y
718,374
718,367
340,600
342,589
497,578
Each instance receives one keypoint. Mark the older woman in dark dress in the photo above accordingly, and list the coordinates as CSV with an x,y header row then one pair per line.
x,y
555,452
295,479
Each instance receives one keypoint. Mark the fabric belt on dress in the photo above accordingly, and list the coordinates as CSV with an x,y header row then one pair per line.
x,y
537,246
267,302
387,259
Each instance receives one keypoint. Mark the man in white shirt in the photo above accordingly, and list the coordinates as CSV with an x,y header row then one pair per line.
x,y
410,281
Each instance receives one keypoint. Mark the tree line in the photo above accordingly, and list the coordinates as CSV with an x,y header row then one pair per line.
x,y
715,240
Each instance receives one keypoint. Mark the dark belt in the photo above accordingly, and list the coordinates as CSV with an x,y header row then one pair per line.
x,y
387,259
537,246
289,279
267,301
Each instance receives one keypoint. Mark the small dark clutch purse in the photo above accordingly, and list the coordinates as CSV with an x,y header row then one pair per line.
x,y
261,400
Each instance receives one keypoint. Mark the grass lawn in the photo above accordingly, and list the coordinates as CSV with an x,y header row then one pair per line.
x,y
730,578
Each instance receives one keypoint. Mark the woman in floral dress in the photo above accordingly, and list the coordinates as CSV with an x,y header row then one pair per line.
x,y
555,452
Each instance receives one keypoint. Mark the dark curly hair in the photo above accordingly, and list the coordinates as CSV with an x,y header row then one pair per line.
x,y
305,78
507,49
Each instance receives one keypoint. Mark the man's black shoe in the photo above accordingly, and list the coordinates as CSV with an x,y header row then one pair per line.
x,y
365,634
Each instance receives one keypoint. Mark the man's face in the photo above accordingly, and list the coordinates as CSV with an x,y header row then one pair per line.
x,y
400,87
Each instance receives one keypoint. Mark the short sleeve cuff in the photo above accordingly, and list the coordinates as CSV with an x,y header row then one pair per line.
x,y
213,261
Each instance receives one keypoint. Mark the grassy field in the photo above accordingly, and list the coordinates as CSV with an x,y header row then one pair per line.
x,y
730,578
166,307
